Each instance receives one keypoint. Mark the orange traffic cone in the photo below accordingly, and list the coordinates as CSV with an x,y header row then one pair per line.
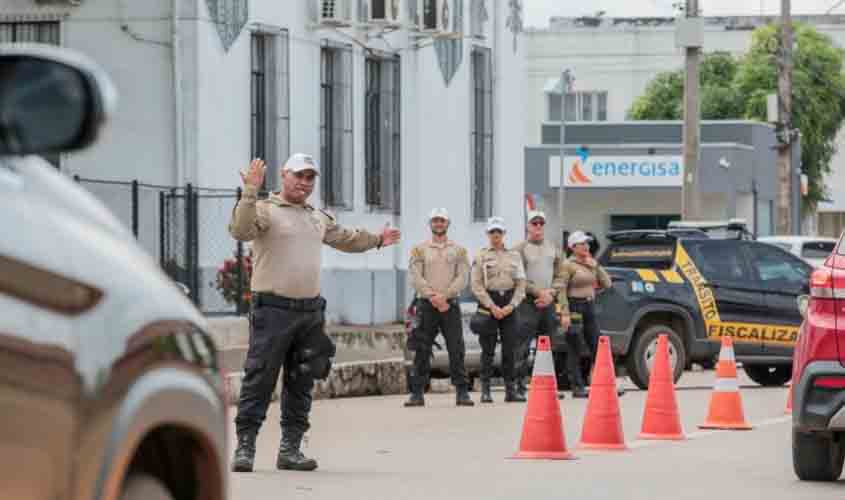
x,y
542,429
661,419
789,402
726,403
603,421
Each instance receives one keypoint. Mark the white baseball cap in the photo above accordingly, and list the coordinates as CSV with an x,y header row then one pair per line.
x,y
577,238
300,161
496,223
439,213
536,214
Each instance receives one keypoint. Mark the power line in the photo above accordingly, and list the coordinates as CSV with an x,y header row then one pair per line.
x,y
840,2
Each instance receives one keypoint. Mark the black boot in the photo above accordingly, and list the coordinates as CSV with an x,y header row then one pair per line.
x,y
462,396
512,394
580,392
291,458
486,397
521,387
416,399
245,453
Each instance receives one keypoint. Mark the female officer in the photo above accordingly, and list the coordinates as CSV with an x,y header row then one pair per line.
x,y
498,282
579,277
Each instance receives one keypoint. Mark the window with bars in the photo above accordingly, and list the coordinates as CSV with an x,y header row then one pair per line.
x,y
482,133
382,131
580,106
33,32
269,103
336,148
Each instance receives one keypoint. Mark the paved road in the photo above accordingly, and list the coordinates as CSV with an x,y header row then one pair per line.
x,y
372,448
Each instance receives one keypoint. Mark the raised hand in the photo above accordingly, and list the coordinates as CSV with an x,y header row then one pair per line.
x,y
390,236
254,176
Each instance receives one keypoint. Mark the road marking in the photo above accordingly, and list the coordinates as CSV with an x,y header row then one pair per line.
x,y
692,436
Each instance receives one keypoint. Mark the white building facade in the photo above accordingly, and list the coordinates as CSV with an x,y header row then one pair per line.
x,y
400,120
613,60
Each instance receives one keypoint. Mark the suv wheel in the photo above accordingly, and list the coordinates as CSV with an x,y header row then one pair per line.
x,y
817,457
140,486
769,375
641,355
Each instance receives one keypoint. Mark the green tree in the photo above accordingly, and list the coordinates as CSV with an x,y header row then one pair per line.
x,y
732,89
664,96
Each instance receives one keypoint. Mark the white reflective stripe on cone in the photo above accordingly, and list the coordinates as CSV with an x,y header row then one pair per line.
x,y
544,364
727,354
726,385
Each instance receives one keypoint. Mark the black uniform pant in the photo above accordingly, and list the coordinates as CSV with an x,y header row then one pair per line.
x,y
433,321
533,321
582,340
279,337
506,331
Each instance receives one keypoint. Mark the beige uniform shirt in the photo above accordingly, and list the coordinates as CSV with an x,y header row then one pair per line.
x,y
498,270
542,265
438,268
287,243
579,280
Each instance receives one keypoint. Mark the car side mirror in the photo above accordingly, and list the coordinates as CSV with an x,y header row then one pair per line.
x,y
52,99
803,305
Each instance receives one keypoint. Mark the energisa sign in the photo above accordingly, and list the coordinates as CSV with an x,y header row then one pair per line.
x,y
585,171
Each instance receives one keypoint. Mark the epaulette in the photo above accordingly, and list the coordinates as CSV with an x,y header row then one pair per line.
x,y
327,214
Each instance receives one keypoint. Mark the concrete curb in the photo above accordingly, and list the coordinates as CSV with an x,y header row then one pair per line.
x,y
357,378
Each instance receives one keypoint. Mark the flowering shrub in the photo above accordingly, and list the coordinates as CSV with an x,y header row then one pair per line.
x,y
227,279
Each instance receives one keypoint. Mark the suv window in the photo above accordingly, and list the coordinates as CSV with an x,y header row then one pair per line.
x,y
640,255
776,268
817,249
719,260
841,250
782,246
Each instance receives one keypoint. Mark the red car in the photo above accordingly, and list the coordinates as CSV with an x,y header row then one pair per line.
x,y
818,410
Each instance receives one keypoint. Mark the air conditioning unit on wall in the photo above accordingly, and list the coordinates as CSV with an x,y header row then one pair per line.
x,y
334,13
437,17
386,13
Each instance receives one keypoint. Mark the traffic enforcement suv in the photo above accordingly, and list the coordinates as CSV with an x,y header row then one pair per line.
x,y
698,286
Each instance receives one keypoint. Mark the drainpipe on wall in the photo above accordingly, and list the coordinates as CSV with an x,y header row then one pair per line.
x,y
177,95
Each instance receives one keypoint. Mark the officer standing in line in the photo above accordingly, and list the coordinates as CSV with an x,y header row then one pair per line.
x,y
580,277
542,261
498,282
438,271
287,319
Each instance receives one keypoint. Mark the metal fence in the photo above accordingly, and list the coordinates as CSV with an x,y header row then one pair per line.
x,y
185,229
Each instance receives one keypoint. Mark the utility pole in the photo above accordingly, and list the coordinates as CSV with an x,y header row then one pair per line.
x,y
690,204
567,82
784,203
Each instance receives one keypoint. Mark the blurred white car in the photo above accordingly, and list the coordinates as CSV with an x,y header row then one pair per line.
x,y
813,250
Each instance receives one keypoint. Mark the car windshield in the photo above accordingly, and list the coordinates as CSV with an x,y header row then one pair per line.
x,y
782,246
817,249
640,255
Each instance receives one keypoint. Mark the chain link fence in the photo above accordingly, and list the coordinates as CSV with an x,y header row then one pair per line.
x,y
185,229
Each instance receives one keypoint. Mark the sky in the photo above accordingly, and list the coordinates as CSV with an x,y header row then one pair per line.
x,y
538,12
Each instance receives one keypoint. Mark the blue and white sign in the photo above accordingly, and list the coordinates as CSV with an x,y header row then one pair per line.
x,y
585,171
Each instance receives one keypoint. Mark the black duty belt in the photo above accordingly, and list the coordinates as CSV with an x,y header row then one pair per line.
x,y
578,300
304,305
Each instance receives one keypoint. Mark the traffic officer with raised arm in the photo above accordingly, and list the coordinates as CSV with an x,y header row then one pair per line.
x,y
287,318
